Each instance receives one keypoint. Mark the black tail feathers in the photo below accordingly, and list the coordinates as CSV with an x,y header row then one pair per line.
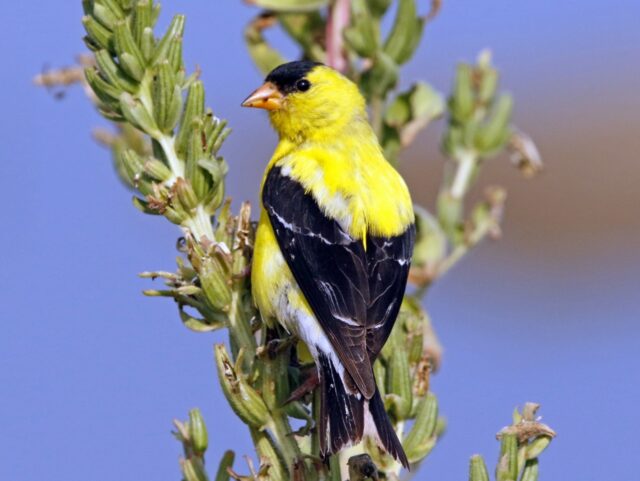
x,y
386,434
342,416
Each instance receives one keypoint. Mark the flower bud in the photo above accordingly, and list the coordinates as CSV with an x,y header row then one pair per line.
x,y
197,432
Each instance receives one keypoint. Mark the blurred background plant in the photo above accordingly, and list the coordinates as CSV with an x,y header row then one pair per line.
x,y
166,147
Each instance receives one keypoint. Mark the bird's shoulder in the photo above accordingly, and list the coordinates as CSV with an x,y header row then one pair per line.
x,y
353,184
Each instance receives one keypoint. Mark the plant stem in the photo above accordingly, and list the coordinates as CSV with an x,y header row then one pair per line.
x,y
377,110
466,161
175,164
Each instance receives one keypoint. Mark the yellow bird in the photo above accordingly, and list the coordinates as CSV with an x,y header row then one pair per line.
x,y
333,245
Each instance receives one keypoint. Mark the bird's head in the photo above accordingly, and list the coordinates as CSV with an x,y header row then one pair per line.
x,y
308,100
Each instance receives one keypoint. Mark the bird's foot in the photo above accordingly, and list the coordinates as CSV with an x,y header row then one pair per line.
x,y
307,386
273,348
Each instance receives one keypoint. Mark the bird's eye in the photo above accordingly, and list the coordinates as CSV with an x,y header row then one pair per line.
x,y
303,85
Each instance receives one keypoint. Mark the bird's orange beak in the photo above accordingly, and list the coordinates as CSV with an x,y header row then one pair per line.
x,y
266,97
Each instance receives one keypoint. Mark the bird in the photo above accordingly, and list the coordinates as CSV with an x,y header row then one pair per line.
x,y
333,244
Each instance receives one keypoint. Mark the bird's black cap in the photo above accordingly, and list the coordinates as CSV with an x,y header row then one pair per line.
x,y
286,75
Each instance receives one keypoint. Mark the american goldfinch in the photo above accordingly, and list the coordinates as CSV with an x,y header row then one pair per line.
x,y
333,245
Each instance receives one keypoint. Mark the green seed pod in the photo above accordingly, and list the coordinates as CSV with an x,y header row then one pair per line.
x,y
462,103
198,432
138,115
379,7
530,471
114,7
186,195
176,29
382,76
193,171
449,212
125,43
399,112
362,36
431,242
113,74
163,92
225,463
175,215
157,170
131,66
175,108
399,383
215,197
421,438
266,449
535,447
218,134
142,19
147,44
478,469
495,133
212,323
193,109
379,372
488,85
105,16
243,399
425,102
99,36
214,275
406,32
193,470
507,469
103,90
174,54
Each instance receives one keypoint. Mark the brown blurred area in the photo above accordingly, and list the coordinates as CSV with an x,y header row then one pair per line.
x,y
585,202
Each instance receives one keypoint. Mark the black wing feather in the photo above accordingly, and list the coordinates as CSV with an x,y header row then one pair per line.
x,y
388,261
354,294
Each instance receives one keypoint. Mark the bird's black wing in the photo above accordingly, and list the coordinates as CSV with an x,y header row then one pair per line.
x,y
330,267
388,262
355,293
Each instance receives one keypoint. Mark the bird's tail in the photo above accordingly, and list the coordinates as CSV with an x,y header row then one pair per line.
x,y
346,415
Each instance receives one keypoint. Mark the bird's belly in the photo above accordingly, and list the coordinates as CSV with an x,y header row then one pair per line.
x,y
277,294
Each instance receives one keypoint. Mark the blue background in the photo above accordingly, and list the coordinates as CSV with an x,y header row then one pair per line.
x,y
92,373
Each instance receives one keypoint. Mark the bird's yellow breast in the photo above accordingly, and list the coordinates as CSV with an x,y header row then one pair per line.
x,y
351,181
